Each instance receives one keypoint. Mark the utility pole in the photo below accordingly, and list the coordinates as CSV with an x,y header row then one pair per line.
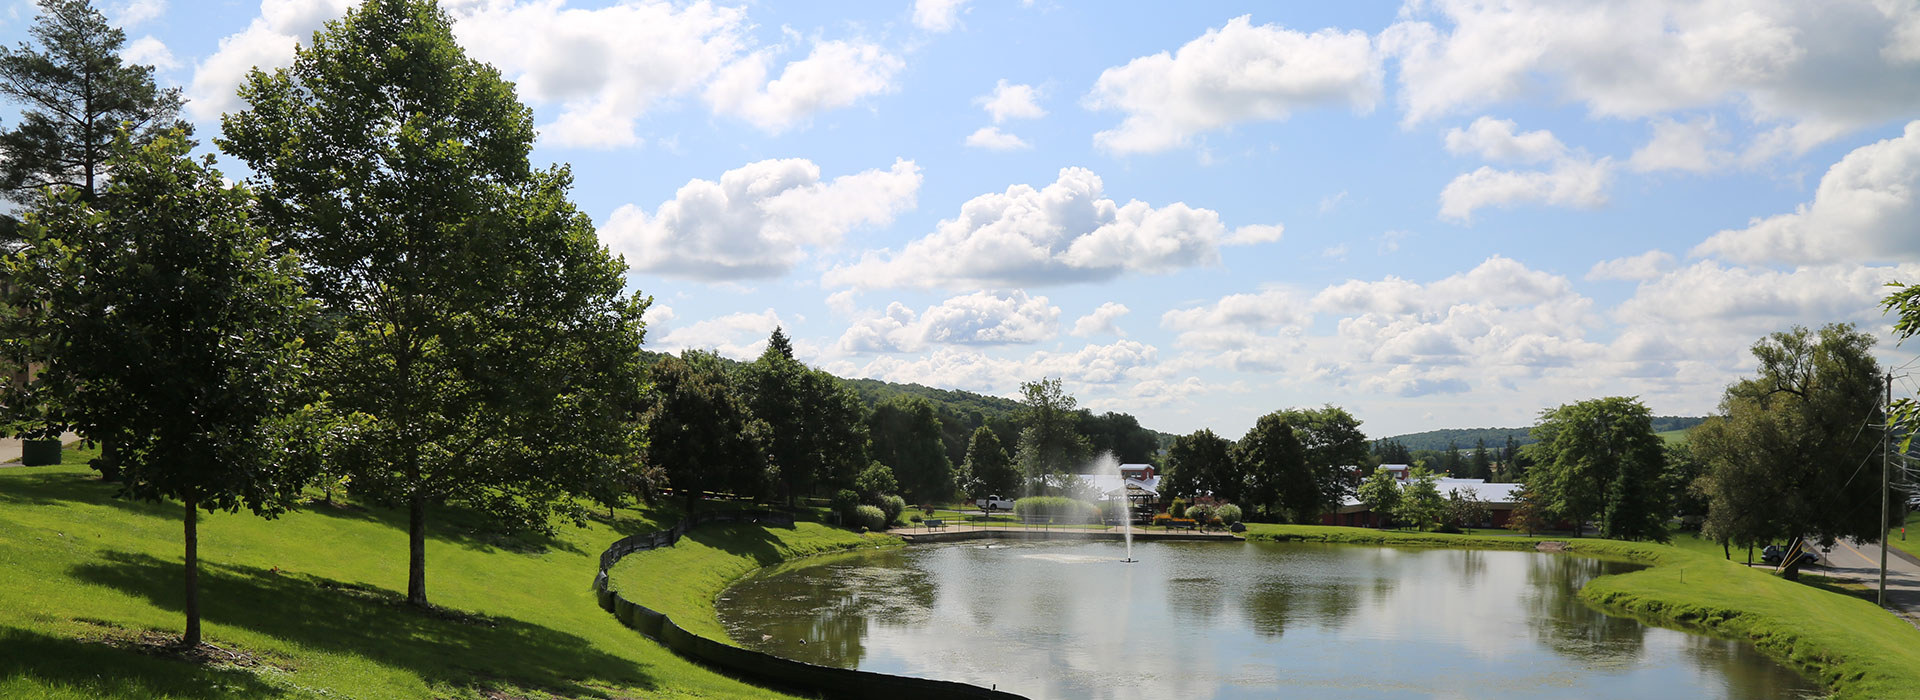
x,y
1886,475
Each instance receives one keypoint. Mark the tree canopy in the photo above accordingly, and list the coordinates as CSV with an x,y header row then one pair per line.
x,y
1600,459
76,94
1787,456
174,322
473,315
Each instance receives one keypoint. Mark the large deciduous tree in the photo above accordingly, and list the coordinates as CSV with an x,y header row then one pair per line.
x,y
1272,467
1335,448
700,433
989,469
1201,464
474,316
906,436
816,427
75,94
1381,493
1787,457
175,323
1050,441
1600,458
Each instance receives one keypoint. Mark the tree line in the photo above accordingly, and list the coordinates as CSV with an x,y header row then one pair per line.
x,y
395,301
1291,466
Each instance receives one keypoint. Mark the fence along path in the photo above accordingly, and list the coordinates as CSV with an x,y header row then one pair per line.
x,y
805,678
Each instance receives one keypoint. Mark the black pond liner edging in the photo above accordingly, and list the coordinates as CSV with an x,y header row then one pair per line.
x,y
805,678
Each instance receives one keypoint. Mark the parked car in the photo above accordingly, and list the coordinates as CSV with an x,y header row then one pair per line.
x,y
1774,554
993,503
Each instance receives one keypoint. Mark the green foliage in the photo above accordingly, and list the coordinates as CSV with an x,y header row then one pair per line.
x,y
893,506
1050,441
75,95
176,332
1178,508
700,434
1057,509
906,436
1465,509
473,315
1118,434
1227,513
988,470
1904,304
1381,493
843,503
1437,440
1421,504
1528,515
1781,462
816,427
1272,464
870,517
1600,458
875,481
1200,513
1201,464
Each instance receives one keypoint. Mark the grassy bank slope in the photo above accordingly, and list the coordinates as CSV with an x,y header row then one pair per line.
x,y
1853,647
683,580
312,602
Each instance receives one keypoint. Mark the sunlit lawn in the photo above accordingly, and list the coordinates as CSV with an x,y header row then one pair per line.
x,y
310,602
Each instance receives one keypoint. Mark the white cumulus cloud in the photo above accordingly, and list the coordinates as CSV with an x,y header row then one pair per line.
x,y
741,336
1867,208
993,139
1644,266
981,318
1230,75
1569,183
834,74
1693,146
1817,69
1011,101
148,51
1101,321
937,15
1495,139
1067,231
758,220
267,43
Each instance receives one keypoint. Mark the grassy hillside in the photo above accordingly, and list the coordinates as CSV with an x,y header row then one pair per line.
x,y
309,605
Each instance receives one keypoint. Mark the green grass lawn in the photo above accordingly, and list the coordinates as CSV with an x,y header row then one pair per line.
x,y
1825,629
1673,436
682,581
1908,541
311,602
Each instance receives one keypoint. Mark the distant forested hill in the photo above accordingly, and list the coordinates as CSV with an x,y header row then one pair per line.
x,y
1466,438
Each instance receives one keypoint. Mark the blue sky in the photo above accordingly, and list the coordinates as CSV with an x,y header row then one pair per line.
x,y
1436,214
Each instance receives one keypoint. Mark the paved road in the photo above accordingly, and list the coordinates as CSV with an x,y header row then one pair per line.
x,y
10,449
1861,562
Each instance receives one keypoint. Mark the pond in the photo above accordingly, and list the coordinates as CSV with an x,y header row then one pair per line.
x,y
1241,620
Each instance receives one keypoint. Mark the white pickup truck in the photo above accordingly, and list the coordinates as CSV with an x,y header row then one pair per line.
x,y
993,503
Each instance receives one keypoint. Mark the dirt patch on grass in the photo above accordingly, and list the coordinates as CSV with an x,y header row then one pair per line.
x,y
164,644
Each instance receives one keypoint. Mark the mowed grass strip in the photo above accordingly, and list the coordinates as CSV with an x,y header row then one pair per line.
x,y
1852,646
310,604
682,581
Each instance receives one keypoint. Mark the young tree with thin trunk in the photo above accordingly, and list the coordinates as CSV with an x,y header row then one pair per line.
x,y
989,470
474,316
178,324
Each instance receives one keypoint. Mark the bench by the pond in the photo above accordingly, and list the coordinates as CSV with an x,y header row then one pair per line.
x,y
1181,524
934,523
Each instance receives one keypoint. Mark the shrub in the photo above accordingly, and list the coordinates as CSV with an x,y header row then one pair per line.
x,y
916,518
1200,512
1228,513
876,480
1162,519
1058,509
892,507
1215,523
1179,508
843,502
869,517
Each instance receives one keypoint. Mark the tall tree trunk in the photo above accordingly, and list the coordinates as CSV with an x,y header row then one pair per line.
x,y
192,637
417,551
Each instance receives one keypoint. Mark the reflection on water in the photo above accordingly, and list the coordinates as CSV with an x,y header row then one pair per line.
x,y
1254,620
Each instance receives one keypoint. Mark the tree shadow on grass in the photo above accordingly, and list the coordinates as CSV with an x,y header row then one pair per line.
x,y
440,646
741,539
66,487
454,524
99,670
